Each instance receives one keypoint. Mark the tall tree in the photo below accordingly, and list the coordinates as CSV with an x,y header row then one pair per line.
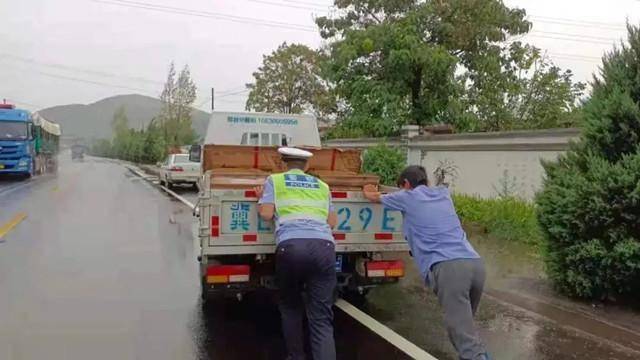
x,y
589,207
121,132
289,81
177,99
420,62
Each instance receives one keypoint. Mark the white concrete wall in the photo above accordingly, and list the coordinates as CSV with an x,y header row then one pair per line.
x,y
491,173
487,164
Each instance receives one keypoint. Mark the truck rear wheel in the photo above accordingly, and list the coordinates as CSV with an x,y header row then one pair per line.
x,y
356,297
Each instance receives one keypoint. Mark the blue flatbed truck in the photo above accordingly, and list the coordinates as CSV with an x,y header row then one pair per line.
x,y
29,143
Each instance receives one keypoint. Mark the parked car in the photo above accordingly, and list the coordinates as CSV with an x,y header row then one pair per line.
x,y
177,169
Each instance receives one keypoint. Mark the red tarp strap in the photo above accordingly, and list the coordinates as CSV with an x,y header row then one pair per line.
x,y
333,159
256,157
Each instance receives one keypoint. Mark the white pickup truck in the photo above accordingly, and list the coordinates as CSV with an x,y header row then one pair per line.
x,y
237,246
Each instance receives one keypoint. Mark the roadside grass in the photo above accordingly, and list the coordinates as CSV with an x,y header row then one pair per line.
x,y
507,219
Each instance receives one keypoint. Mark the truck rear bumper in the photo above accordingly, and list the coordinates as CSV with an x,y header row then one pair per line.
x,y
182,179
234,276
270,249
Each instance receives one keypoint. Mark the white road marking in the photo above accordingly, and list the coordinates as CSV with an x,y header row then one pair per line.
x,y
19,186
384,332
170,192
372,324
180,198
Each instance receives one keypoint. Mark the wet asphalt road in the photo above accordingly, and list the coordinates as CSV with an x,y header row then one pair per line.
x,y
103,267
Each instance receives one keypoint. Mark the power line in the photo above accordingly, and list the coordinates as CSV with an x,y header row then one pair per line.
x,y
308,3
289,6
206,14
87,81
234,93
236,89
72,68
580,23
569,39
587,57
144,91
591,61
579,36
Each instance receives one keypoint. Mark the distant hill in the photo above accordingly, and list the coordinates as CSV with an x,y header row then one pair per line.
x,y
94,120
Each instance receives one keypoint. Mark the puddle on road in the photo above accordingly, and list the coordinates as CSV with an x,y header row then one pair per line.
x,y
509,332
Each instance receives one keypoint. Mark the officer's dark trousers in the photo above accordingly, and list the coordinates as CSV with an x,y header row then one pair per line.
x,y
307,265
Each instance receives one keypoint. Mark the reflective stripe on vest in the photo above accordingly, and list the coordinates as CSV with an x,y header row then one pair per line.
x,y
299,196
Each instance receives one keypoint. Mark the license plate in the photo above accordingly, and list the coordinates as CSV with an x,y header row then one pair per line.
x,y
242,216
339,263
367,218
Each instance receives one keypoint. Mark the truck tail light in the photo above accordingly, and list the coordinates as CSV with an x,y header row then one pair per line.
x,y
250,237
383,236
224,274
339,195
250,194
394,268
339,236
176,168
215,226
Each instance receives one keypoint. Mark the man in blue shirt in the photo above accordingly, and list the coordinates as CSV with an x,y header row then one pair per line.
x,y
300,206
446,259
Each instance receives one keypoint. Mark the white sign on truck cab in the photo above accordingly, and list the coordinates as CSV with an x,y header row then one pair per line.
x,y
262,129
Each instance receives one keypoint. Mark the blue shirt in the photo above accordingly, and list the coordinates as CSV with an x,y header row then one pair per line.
x,y
431,226
295,229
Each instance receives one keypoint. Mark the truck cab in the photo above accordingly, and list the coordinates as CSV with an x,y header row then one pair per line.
x,y
28,142
17,141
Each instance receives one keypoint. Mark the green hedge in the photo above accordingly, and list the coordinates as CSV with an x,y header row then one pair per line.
x,y
386,162
509,219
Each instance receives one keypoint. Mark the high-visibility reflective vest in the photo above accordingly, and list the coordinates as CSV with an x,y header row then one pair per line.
x,y
300,196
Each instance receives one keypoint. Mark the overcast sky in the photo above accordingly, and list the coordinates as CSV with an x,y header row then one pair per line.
x,y
55,52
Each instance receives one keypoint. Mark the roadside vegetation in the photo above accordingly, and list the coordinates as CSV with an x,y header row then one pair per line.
x,y
385,161
509,219
589,207
170,128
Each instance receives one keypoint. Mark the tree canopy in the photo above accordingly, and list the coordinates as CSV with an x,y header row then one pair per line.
x,y
408,61
177,99
170,128
289,81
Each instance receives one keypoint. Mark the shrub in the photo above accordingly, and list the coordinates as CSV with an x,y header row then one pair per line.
x,y
384,161
509,218
589,208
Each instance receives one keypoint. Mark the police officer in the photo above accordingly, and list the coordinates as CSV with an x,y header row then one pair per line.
x,y
300,205
447,261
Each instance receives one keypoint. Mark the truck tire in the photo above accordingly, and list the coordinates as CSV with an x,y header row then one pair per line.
x,y
203,293
355,297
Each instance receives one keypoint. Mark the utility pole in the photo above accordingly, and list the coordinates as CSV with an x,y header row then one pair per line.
x,y
213,97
